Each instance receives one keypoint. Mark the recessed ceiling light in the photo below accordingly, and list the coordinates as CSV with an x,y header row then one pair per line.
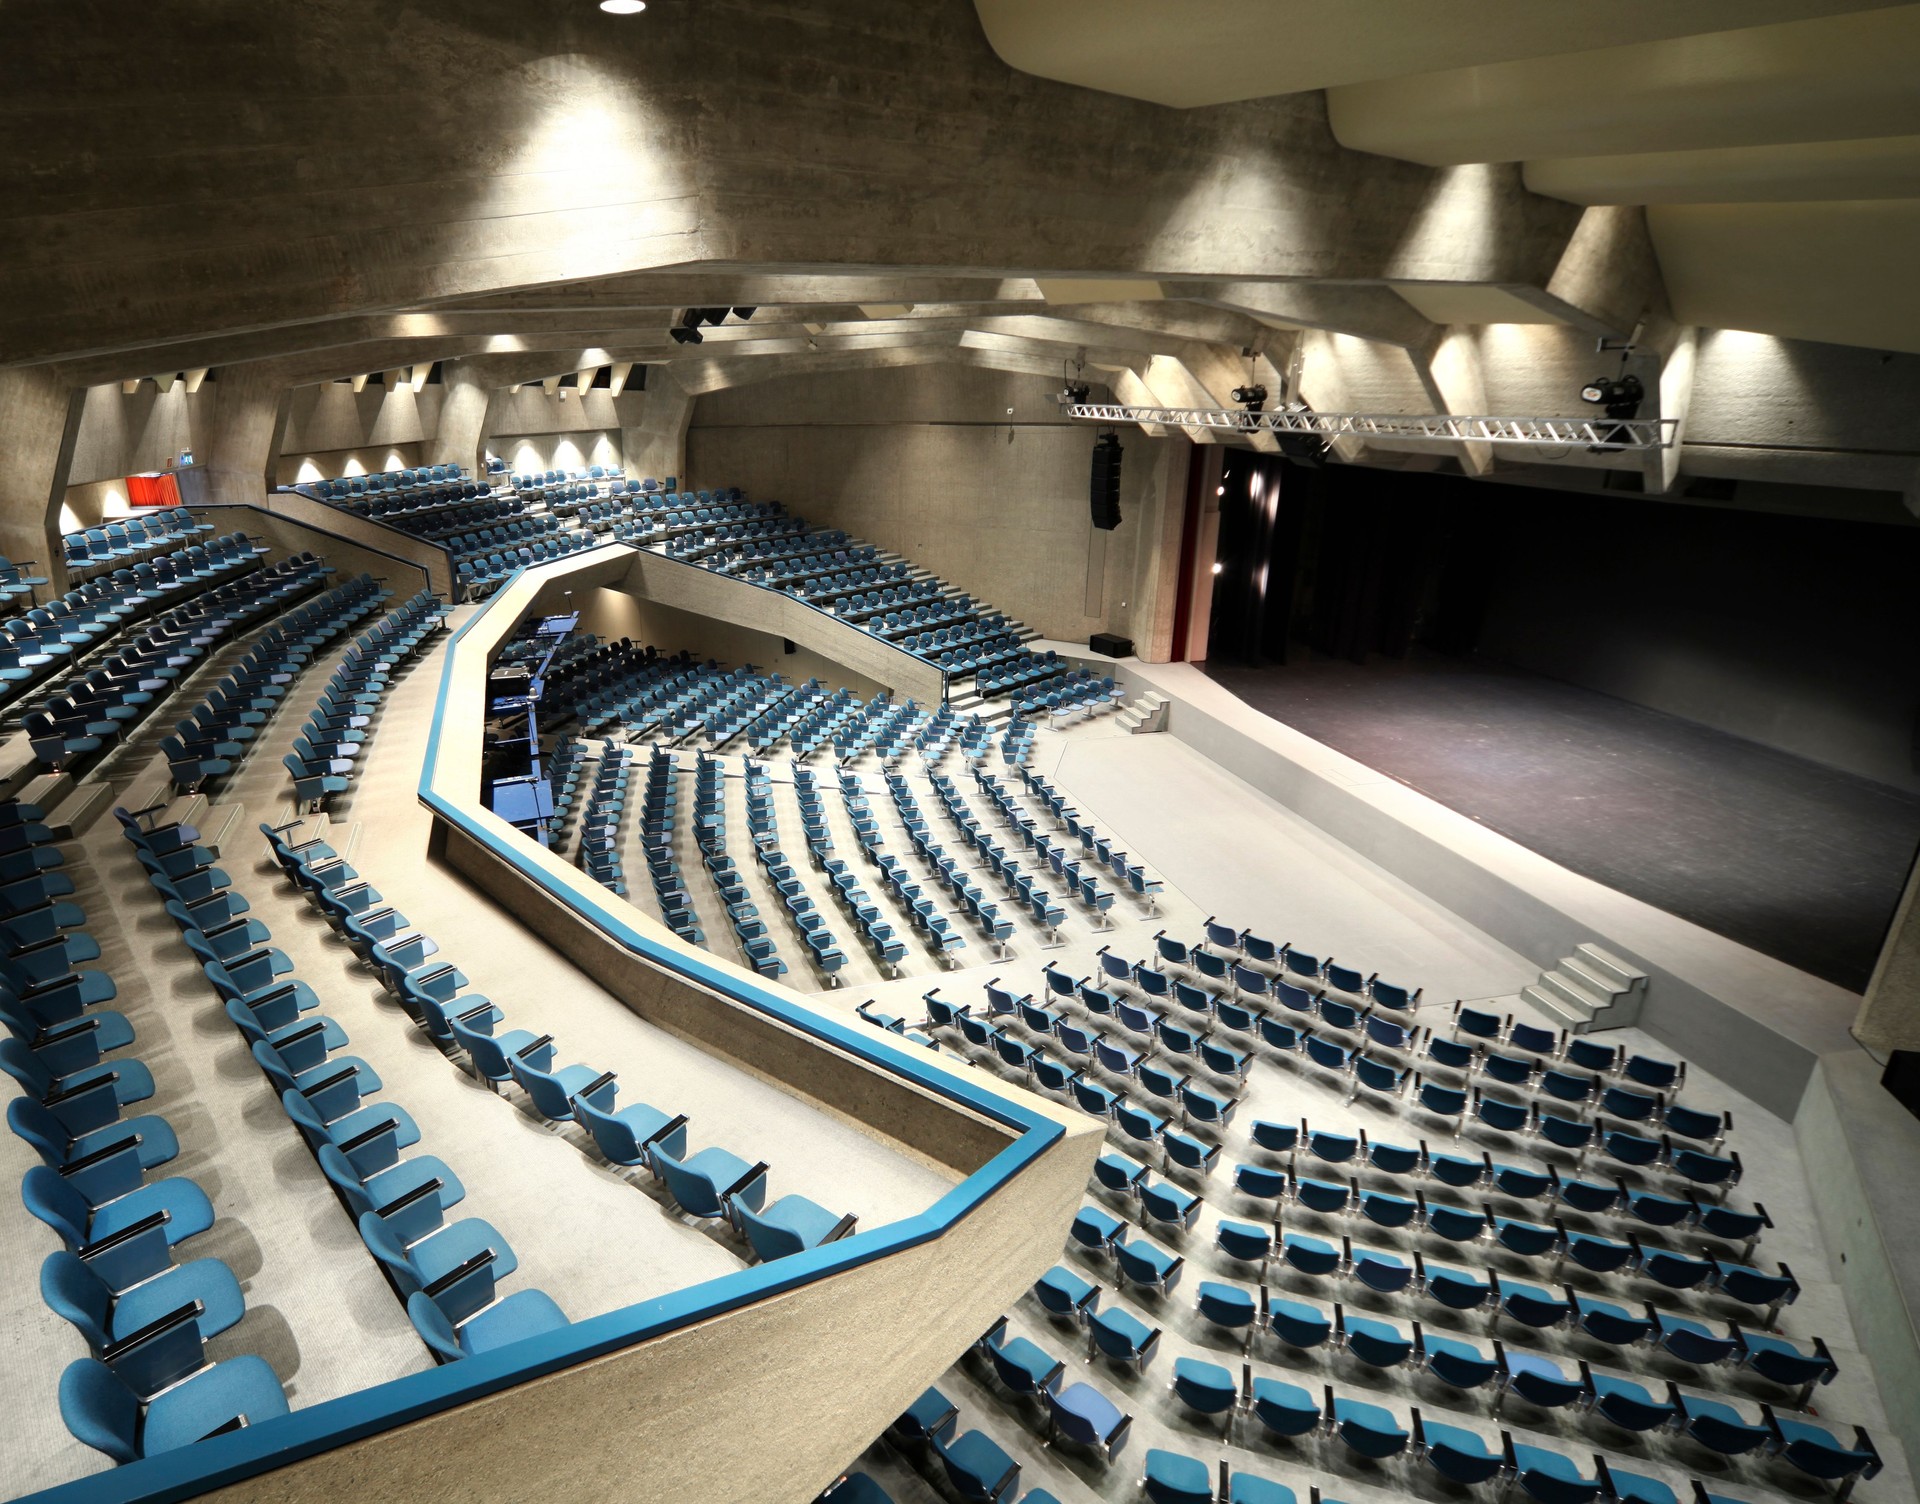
x,y
623,7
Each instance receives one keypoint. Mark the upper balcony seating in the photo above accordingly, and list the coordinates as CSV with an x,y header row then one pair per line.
x,y
139,535
97,708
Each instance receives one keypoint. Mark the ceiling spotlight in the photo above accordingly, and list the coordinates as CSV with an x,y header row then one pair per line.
x,y
623,7
744,313
685,336
1074,394
1621,396
714,316
1252,398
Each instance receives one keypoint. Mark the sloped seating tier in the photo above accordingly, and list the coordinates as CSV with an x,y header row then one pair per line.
x,y
45,641
1660,1279
445,1274
216,734
710,1184
94,710
129,1278
325,755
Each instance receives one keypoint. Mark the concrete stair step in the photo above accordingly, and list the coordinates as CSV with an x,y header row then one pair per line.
x,y
1570,990
76,814
221,825
1556,1007
1589,978
1605,964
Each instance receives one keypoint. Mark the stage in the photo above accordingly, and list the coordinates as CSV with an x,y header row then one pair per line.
x,y
1789,857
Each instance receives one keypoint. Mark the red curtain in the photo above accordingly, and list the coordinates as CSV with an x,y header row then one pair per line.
x,y
152,491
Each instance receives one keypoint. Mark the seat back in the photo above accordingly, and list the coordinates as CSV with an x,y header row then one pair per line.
x,y
99,1409
56,1203
693,1189
74,1291
434,1328
386,1248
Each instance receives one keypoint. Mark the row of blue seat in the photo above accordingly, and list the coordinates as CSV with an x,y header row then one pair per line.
x,y
95,709
1023,887
712,1184
1203,1106
214,736
324,757
400,479
1232,1057
17,585
445,521
658,820
1143,1266
44,641
479,575
599,838
1541,1379
947,871
137,536
446,1274
1092,844
821,944
147,1386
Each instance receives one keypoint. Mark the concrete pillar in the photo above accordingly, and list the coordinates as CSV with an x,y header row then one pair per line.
x,y
1156,562
657,445
1673,397
1449,368
243,435
464,404
39,421
1889,1017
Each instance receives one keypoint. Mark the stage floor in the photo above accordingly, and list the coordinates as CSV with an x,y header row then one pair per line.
x,y
1794,859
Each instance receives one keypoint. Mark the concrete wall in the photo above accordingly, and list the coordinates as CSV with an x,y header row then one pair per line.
x,y
379,428
687,587
611,613
1860,1146
124,433
290,534
925,460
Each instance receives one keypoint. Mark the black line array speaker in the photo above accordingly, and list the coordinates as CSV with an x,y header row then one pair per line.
x,y
1103,487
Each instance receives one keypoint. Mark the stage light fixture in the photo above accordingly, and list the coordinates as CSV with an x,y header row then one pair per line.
x,y
623,7
1252,398
1074,394
744,313
714,316
1620,396
685,336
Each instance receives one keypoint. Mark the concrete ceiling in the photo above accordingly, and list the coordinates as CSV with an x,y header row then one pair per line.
x,y
1763,131
882,187
1186,53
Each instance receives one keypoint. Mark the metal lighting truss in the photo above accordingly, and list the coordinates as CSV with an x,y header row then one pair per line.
x,y
1596,432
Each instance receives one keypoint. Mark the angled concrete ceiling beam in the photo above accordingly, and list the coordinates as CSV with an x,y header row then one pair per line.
x,y
678,288
1372,313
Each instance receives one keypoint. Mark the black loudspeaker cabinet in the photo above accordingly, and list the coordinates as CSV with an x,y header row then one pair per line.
x,y
1110,644
1103,486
